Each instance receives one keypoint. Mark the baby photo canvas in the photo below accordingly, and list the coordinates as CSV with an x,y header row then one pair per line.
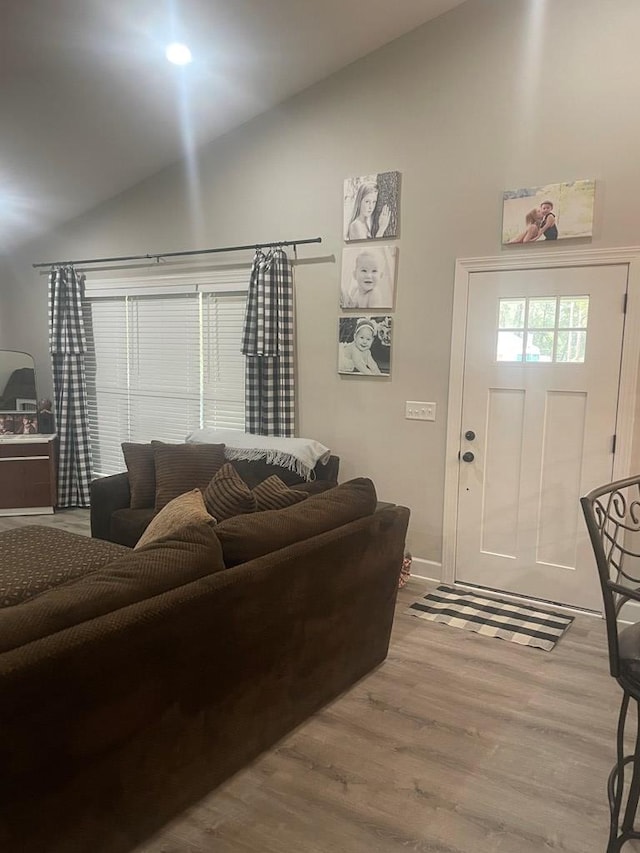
x,y
371,206
368,277
548,213
364,347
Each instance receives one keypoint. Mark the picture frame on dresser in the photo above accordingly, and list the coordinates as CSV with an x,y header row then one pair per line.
x,y
24,405
24,422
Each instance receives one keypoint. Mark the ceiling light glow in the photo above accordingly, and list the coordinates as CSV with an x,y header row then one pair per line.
x,y
178,53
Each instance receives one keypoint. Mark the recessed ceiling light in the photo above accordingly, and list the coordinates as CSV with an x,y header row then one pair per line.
x,y
178,53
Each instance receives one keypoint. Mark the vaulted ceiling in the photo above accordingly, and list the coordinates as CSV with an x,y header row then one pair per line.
x,y
90,106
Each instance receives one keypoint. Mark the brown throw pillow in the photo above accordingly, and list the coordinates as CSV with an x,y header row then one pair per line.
x,y
142,474
227,494
185,510
272,493
182,467
244,538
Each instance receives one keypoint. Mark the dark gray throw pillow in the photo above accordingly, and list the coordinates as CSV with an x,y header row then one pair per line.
x,y
141,467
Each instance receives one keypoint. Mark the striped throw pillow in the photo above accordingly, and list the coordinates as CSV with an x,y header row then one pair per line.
x,y
227,494
273,493
183,467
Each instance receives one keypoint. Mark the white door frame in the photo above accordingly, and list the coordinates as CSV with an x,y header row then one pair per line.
x,y
628,256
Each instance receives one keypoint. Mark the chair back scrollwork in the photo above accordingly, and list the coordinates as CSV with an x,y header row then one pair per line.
x,y
612,515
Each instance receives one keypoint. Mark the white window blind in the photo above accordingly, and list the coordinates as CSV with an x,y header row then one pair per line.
x,y
106,373
223,365
160,365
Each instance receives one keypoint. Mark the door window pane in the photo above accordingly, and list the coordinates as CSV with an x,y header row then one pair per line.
x,y
540,346
542,314
512,313
573,312
571,346
510,346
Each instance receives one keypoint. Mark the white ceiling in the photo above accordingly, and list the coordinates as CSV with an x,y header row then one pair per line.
x,y
89,105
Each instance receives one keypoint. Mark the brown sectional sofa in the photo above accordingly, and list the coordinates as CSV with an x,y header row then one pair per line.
x,y
129,692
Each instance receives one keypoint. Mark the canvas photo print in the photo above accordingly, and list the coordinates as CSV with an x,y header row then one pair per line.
x,y
368,277
371,204
548,213
364,346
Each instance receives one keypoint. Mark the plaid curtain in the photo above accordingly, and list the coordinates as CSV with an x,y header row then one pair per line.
x,y
67,346
268,344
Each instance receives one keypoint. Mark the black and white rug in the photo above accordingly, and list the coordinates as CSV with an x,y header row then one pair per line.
x,y
492,617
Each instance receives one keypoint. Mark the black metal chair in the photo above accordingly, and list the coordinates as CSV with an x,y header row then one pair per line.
x,y
612,513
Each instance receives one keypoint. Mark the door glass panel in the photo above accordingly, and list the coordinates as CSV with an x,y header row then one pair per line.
x,y
573,312
571,346
542,314
554,330
510,346
512,313
540,346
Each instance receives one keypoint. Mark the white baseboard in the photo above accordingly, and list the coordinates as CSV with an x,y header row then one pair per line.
x,y
426,570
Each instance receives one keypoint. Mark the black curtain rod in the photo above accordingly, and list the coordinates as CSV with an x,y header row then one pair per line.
x,y
160,255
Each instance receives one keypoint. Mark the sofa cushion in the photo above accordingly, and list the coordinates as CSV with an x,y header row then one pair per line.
x,y
182,467
140,463
315,487
194,552
245,537
181,512
127,525
272,493
36,558
227,494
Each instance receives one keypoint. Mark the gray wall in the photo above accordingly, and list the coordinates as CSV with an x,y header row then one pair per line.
x,y
495,94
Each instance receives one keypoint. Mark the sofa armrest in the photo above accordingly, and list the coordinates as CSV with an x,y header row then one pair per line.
x,y
328,471
107,495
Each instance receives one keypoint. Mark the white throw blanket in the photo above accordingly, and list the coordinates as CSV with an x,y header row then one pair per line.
x,y
297,454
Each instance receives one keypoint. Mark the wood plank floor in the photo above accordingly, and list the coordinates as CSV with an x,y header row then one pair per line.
x,y
457,744
73,520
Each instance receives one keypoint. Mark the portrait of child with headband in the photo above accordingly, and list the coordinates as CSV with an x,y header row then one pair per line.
x,y
358,336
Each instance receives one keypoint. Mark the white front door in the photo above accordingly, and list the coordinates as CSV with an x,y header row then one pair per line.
x,y
540,396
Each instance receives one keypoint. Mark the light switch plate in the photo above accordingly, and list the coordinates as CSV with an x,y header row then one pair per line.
x,y
417,411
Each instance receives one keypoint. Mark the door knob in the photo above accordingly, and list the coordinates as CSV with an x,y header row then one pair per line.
x,y
469,435
468,456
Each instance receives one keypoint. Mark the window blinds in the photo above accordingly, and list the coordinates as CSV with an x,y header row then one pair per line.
x,y
160,365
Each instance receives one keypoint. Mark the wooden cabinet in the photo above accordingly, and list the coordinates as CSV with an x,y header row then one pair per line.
x,y
27,474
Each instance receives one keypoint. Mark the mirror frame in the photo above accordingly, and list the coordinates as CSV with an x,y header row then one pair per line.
x,y
28,416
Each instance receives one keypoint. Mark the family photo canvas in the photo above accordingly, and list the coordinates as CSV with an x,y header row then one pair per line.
x,y
548,213
18,423
368,277
371,206
364,346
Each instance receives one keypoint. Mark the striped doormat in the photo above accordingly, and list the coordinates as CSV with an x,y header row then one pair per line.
x,y
493,617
